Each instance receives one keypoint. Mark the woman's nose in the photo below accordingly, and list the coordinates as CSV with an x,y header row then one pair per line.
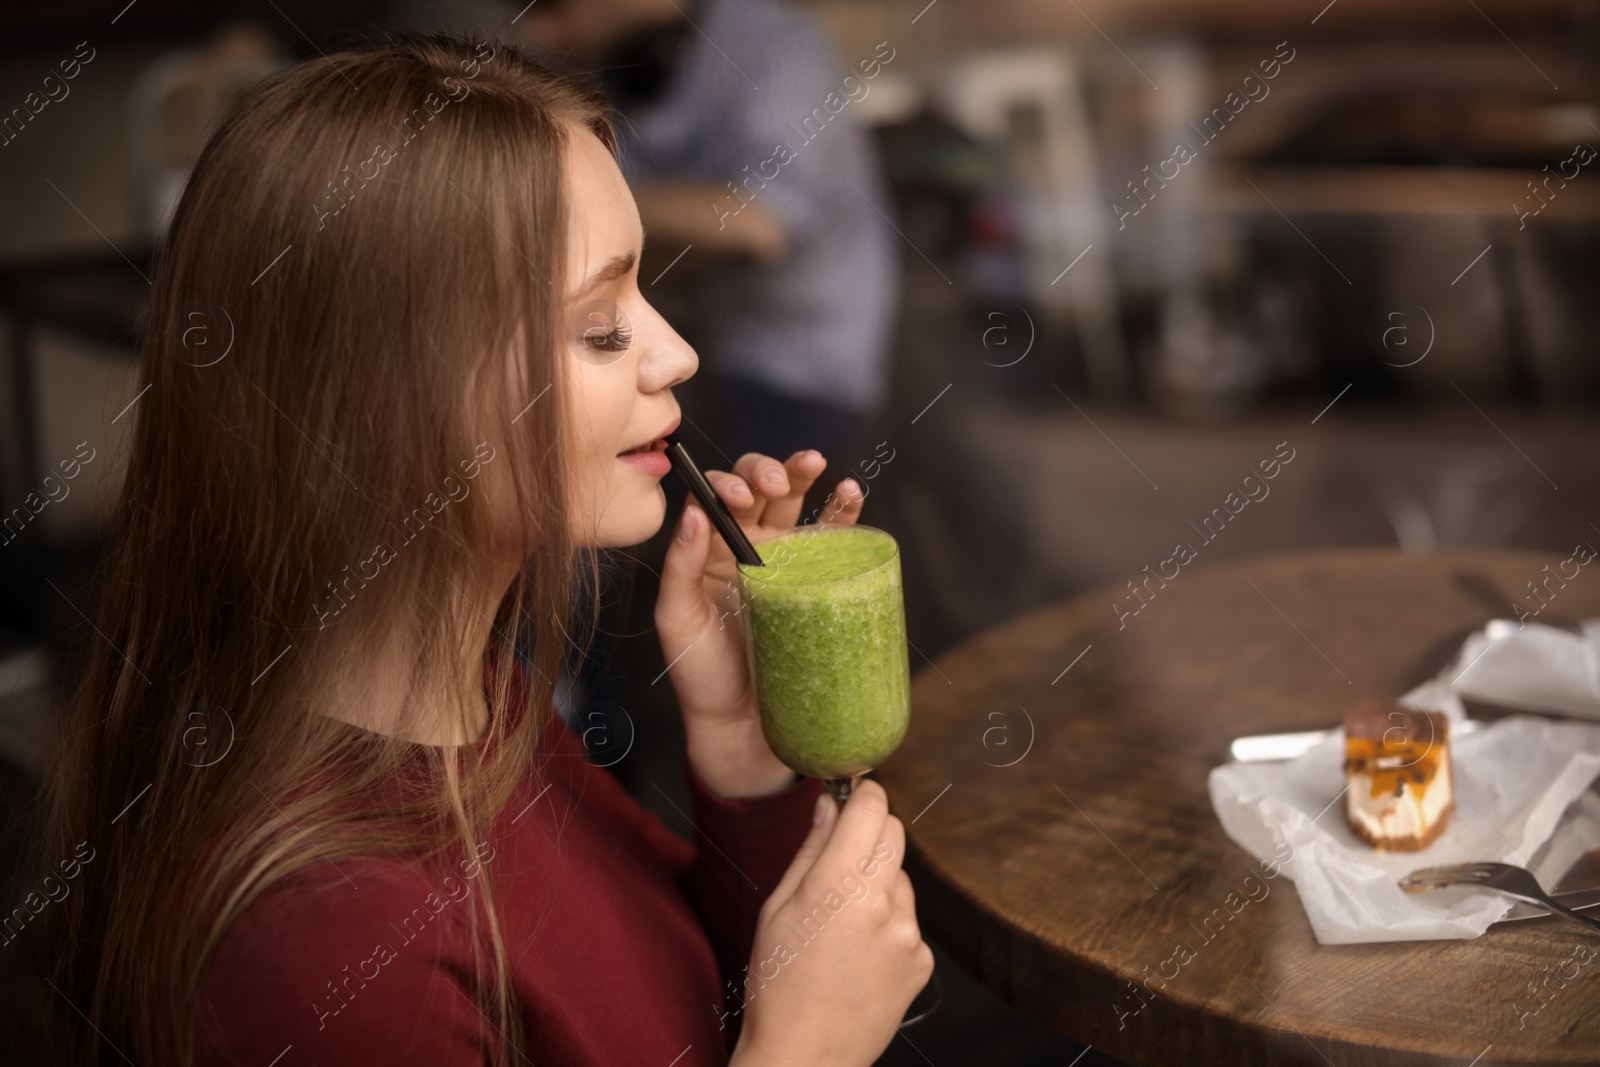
x,y
668,361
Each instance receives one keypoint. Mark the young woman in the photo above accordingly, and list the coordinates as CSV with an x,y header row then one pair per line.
x,y
400,377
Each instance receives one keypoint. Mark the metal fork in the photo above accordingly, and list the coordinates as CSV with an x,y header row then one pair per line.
x,y
1500,877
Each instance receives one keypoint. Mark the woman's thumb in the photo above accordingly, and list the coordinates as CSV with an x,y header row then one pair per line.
x,y
685,565
823,817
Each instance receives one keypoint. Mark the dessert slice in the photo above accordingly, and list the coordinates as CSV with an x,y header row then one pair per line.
x,y
1397,766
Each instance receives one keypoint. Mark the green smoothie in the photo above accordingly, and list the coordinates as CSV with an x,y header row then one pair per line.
x,y
828,644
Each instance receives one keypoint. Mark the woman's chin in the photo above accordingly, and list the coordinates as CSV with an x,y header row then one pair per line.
x,y
635,523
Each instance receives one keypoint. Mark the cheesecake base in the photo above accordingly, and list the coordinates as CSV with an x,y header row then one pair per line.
x,y
1411,843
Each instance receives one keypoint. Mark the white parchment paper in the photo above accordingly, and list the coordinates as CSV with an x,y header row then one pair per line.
x,y
1514,780
1534,667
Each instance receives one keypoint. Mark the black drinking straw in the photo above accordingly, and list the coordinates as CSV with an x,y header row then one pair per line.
x,y
718,512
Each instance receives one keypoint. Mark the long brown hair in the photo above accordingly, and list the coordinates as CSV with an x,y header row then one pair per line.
x,y
362,242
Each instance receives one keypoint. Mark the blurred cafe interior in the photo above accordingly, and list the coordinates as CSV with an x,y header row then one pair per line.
x,y
1123,252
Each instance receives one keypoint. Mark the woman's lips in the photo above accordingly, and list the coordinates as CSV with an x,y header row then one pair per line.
x,y
651,460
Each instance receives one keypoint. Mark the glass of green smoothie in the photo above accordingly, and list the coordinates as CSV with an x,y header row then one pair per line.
x,y
827,640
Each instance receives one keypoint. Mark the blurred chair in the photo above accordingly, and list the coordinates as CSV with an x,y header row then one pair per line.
x,y
26,703
26,692
1457,498
1032,100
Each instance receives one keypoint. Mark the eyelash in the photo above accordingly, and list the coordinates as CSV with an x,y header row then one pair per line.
x,y
616,339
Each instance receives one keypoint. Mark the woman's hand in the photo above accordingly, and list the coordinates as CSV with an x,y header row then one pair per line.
x,y
838,954
698,616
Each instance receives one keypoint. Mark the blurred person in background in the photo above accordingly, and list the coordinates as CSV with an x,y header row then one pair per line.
x,y
740,145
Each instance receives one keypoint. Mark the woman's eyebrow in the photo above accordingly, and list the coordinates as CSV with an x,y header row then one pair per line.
x,y
616,267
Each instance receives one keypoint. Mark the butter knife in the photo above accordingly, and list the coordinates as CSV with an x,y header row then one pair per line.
x,y
1268,748
1577,900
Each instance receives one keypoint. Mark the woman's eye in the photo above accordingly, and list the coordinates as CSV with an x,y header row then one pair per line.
x,y
607,338
603,330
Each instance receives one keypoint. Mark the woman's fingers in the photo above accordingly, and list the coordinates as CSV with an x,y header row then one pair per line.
x,y
856,845
905,897
892,839
763,492
843,506
782,486
745,503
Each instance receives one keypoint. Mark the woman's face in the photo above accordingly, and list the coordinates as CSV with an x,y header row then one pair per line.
x,y
622,359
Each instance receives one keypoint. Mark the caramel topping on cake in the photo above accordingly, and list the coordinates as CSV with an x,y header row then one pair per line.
x,y
1391,768
1401,751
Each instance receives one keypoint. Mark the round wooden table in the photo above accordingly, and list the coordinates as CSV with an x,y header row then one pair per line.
x,y
1062,840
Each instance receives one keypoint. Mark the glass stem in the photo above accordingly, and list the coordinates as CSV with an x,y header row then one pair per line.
x,y
841,788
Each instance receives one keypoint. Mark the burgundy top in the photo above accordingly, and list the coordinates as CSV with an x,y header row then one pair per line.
x,y
620,935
